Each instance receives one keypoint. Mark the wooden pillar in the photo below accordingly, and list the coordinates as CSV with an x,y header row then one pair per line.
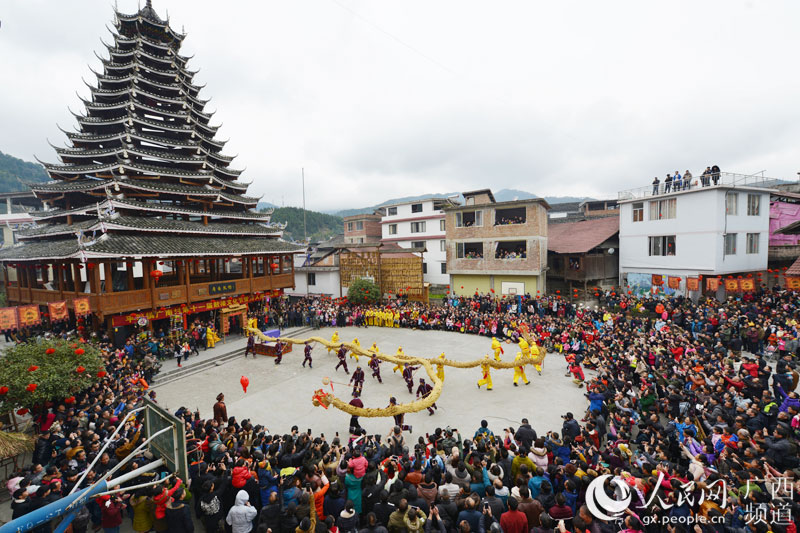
x,y
76,274
188,279
149,283
131,280
45,273
29,281
94,278
250,271
59,272
5,274
109,277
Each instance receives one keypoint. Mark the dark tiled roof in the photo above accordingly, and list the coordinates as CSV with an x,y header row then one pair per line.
x,y
794,270
153,206
119,245
580,237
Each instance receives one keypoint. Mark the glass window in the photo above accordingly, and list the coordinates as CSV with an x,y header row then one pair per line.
x,y
391,211
312,278
468,219
753,206
661,209
441,225
392,229
663,245
638,212
730,244
416,208
418,227
752,242
469,250
732,204
360,225
418,244
349,226
442,245
424,268
444,268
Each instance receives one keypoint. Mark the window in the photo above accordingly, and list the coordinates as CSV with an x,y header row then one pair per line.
x,y
661,209
467,219
444,268
638,212
730,244
311,278
418,227
418,244
424,268
360,225
732,204
514,215
391,211
511,250
469,250
442,245
662,245
349,226
392,229
752,242
361,240
416,208
753,206
441,225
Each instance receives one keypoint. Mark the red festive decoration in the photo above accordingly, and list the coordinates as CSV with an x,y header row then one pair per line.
x,y
23,411
79,351
156,275
90,266
33,368
69,400
3,390
31,387
245,383
462,286
50,351
101,374
80,370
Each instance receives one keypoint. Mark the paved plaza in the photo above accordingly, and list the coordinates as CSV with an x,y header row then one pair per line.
x,y
280,396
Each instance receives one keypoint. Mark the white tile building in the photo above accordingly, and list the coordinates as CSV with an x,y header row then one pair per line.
x,y
420,225
704,231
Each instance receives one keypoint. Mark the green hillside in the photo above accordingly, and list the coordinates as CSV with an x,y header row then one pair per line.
x,y
14,173
320,226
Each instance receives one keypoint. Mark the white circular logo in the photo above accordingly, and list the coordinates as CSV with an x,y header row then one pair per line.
x,y
601,505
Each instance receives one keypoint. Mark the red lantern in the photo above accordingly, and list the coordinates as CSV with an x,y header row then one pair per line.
x,y
69,400
462,286
245,383
101,374
156,275
33,368
597,294
50,351
31,387
23,411
558,292
90,266
79,351
80,370
3,391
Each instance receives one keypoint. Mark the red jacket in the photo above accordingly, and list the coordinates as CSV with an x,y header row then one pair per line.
x,y
514,522
111,514
163,498
240,476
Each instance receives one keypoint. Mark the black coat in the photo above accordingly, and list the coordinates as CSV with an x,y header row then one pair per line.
x,y
526,435
179,519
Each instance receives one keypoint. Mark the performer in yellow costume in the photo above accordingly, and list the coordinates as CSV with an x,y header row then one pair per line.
x,y
487,374
211,338
398,366
519,371
374,347
352,352
497,347
534,352
440,368
252,323
334,340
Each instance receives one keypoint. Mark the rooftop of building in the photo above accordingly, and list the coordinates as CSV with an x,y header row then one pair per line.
x,y
581,236
362,216
726,180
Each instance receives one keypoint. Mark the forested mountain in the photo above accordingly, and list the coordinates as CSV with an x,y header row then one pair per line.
x,y
14,173
320,226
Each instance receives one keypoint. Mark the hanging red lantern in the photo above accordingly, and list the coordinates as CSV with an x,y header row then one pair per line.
x,y
558,292
79,351
23,411
33,368
597,294
31,387
69,400
80,370
50,351
244,382
156,275
3,390
90,266
101,374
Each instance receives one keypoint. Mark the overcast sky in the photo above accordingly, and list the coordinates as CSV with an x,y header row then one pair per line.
x,y
379,99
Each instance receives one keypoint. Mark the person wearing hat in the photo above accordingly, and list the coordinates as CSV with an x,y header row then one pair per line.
x,y
220,410
241,515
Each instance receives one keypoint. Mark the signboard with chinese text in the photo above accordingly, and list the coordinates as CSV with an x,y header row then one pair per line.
x,y
29,315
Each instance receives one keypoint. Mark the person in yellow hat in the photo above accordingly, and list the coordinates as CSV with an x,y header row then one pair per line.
x,y
487,374
374,347
533,353
497,347
440,368
353,352
334,341
399,365
519,371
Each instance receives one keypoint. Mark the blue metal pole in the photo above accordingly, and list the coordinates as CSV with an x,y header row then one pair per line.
x,y
68,504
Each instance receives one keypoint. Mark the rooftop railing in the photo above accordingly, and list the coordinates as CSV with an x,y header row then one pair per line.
x,y
727,179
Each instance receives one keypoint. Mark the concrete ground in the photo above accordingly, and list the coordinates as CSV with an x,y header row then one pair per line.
x,y
280,396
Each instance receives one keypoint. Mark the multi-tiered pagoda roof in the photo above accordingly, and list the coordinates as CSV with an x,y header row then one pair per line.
x,y
144,174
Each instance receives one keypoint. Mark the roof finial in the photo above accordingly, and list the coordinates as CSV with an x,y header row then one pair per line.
x,y
149,3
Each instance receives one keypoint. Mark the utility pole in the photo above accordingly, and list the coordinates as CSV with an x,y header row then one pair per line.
x,y
305,232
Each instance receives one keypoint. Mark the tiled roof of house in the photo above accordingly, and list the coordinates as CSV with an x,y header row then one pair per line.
x,y
582,236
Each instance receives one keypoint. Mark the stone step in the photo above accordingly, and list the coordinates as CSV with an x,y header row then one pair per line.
x,y
175,373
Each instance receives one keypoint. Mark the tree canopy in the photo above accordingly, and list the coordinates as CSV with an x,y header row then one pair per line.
x,y
320,226
363,291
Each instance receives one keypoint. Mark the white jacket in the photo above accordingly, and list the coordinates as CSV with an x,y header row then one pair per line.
x,y
241,516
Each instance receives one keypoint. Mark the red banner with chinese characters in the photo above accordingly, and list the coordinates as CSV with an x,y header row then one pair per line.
x,y
731,285
792,282
58,311
8,318
199,307
81,306
674,282
29,315
747,285
693,284
712,284
658,279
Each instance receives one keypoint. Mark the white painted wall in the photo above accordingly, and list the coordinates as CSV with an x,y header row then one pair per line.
x,y
326,283
699,227
436,255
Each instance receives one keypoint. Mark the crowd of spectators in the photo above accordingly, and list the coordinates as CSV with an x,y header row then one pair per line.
x,y
678,182
692,407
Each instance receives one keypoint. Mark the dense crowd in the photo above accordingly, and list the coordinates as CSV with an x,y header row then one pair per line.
x,y
691,412
678,182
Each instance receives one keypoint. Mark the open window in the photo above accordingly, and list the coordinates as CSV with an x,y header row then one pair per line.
x,y
512,215
467,219
469,250
511,250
